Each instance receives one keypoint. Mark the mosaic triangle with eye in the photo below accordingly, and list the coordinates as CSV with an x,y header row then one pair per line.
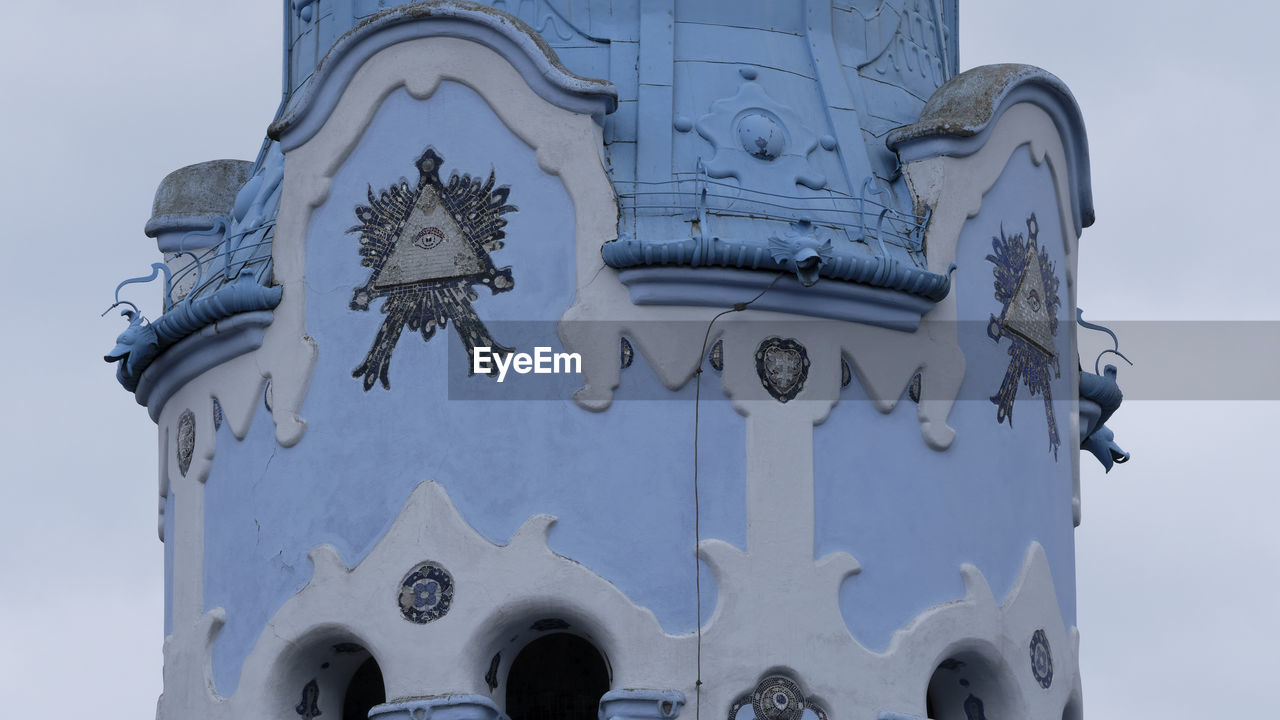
x,y
1027,287
427,247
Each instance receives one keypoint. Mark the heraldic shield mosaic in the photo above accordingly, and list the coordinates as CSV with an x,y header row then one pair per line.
x,y
427,247
1027,287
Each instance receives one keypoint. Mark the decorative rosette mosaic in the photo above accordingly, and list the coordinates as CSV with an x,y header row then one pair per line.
x,y
426,593
1041,659
777,697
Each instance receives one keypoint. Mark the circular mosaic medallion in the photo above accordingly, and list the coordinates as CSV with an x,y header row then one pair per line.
x,y
1041,659
186,440
426,593
777,698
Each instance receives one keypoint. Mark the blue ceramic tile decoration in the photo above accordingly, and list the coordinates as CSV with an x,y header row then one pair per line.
x,y
491,677
628,354
186,440
777,697
1027,287
307,708
426,593
1041,659
783,366
716,356
973,708
426,246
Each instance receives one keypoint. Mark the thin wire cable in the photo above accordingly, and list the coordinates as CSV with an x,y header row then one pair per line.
x,y
697,510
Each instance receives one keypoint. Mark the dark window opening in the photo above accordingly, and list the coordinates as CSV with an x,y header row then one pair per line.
x,y
557,677
967,686
363,692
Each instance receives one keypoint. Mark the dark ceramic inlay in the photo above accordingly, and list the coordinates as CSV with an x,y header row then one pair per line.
x,y
426,593
1027,289
426,246
186,440
1041,659
783,366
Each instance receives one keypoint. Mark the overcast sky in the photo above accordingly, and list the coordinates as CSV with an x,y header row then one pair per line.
x,y
1178,558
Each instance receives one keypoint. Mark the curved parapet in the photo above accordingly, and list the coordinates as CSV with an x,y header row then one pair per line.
x,y
517,42
194,198
960,116
214,222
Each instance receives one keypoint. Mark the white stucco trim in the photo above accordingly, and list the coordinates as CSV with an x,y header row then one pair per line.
x,y
499,589
567,144
954,188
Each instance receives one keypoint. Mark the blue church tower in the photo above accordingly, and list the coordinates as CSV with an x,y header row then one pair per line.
x,y
626,359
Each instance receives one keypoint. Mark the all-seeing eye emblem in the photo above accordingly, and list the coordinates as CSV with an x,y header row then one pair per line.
x,y
1028,289
427,246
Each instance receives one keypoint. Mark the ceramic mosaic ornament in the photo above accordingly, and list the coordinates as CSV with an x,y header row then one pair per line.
x,y
783,366
491,677
628,354
1041,659
776,697
427,247
307,708
426,593
186,440
716,356
973,708
1027,287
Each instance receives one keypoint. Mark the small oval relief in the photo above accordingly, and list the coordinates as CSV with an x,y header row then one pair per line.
x,y
1041,659
186,440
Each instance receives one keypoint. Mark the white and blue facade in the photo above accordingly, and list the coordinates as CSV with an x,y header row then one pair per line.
x,y
809,275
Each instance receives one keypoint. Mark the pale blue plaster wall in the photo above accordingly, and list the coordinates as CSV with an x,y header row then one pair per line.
x,y
913,516
618,481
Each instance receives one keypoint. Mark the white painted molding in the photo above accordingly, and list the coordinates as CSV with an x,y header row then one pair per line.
x,y
794,627
954,188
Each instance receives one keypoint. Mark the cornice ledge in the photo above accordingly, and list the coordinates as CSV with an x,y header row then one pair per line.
x,y
187,359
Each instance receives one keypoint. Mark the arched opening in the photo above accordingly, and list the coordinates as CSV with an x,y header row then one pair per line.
x,y
364,691
328,677
557,677
966,686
